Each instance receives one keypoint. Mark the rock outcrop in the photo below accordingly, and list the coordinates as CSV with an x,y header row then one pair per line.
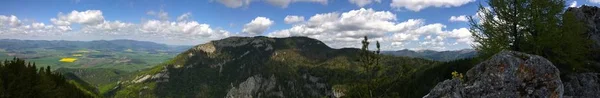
x,y
507,74
252,86
585,85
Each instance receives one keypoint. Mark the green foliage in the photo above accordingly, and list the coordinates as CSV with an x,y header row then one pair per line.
x,y
104,79
456,75
21,80
531,26
95,76
370,63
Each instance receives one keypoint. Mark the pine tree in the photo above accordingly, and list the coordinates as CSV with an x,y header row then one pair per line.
x,y
23,80
370,63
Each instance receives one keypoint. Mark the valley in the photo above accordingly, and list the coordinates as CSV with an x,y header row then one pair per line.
x,y
300,49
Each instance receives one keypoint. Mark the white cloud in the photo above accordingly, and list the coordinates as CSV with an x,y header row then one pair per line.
x,y
286,3
184,17
184,30
433,43
461,18
293,19
574,4
257,26
347,29
180,31
109,27
361,3
94,27
88,17
9,20
594,1
278,3
462,35
418,5
12,27
162,15
234,3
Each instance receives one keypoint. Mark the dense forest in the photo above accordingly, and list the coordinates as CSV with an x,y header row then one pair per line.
x,y
19,79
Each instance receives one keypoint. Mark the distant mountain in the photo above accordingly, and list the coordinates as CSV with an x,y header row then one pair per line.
x,y
99,45
434,55
263,67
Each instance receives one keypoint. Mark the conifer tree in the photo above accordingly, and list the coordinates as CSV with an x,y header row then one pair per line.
x,y
530,26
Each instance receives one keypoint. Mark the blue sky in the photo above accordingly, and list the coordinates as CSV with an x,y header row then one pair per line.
x,y
398,24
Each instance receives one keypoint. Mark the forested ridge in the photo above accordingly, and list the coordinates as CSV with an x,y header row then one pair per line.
x,y
20,79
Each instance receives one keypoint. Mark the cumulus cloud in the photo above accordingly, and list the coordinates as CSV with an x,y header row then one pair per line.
x,y
184,30
361,3
347,29
12,27
461,18
594,1
462,35
257,26
88,17
278,3
109,27
92,23
418,5
433,43
293,19
184,17
11,20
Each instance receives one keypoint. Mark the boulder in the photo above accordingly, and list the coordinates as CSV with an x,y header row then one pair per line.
x,y
508,74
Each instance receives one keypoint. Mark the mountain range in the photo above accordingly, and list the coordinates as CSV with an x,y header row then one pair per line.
x,y
434,55
99,45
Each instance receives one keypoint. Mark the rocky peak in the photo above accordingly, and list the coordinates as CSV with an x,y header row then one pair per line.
x,y
507,74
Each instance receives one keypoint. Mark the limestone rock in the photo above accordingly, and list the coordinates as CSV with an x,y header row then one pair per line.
x,y
507,74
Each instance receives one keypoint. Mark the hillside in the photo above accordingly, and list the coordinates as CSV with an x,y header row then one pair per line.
x,y
21,79
435,55
263,67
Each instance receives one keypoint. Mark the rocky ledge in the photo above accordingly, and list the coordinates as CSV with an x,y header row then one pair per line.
x,y
507,74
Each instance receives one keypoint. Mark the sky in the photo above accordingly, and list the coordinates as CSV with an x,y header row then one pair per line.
x,y
397,24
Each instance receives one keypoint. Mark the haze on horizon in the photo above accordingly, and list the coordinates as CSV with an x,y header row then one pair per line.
x,y
398,24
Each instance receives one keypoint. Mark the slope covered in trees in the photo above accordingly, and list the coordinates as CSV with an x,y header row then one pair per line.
x,y
19,79
272,67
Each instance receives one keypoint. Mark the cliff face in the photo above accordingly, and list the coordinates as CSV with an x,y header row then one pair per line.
x,y
507,74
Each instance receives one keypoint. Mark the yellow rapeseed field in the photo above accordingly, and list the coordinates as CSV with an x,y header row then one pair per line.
x,y
68,60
